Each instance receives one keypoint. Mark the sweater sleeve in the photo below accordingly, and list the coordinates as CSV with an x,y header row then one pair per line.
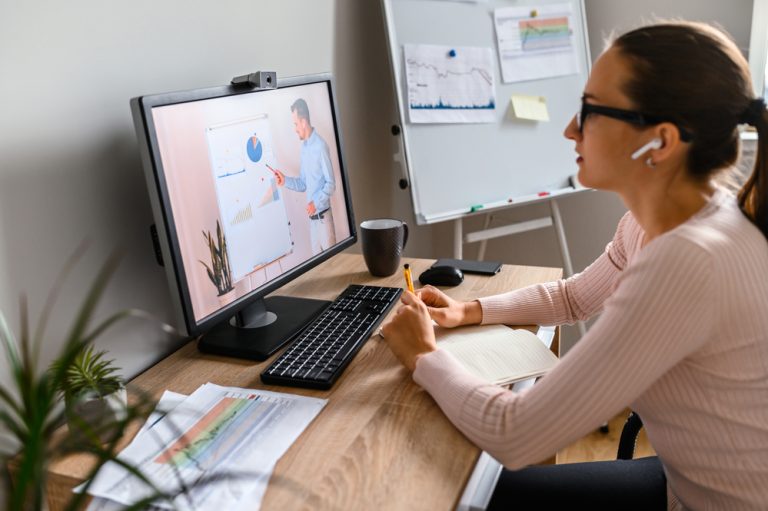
x,y
660,312
565,301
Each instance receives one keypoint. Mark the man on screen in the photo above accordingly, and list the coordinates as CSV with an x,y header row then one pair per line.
x,y
315,177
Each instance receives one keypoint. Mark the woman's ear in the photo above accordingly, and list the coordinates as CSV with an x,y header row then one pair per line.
x,y
665,145
669,144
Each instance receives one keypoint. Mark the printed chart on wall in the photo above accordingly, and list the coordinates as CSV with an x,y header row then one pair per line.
x,y
450,84
536,42
251,206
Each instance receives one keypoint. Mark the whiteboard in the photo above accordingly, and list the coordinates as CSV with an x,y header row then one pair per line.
x,y
456,169
251,206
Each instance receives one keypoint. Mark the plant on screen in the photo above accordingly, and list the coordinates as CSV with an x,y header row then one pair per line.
x,y
219,271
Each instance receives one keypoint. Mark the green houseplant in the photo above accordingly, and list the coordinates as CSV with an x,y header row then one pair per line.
x,y
90,373
31,406
93,392
219,271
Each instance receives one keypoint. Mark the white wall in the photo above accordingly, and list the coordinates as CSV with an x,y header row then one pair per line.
x,y
606,16
69,167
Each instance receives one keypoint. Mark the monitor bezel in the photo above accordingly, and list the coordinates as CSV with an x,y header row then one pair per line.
x,y
142,107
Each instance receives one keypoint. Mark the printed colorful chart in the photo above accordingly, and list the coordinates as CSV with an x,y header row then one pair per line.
x,y
535,42
216,435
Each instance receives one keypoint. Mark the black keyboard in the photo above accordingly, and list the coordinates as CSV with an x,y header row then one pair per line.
x,y
325,347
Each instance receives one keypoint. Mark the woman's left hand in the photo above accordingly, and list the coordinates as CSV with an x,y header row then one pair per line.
x,y
410,333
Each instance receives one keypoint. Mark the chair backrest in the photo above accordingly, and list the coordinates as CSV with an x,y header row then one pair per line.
x,y
628,437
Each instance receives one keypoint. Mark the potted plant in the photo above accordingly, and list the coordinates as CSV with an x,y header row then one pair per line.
x,y
94,395
219,271
30,406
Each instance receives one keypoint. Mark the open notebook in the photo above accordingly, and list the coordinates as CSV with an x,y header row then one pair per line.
x,y
497,353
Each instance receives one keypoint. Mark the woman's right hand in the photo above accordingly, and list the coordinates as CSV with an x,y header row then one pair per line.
x,y
446,311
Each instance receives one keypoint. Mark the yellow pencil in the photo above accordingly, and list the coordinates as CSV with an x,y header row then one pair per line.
x,y
408,279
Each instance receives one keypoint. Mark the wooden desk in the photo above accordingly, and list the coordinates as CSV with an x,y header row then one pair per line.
x,y
381,442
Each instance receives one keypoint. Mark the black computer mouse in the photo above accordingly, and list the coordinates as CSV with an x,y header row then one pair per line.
x,y
442,276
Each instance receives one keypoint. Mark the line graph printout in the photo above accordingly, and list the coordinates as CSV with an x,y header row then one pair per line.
x,y
449,84
535,42
230,437
252,211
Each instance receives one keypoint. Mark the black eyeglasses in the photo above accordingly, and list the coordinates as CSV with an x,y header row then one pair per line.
x,y
629,116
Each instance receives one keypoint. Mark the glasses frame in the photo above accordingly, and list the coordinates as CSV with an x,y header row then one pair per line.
x,y
629,116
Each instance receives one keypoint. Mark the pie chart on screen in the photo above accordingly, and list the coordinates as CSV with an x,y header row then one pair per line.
x,y
253,148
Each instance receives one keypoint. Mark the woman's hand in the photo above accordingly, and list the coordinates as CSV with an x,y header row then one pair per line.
x,y
448,312
410,333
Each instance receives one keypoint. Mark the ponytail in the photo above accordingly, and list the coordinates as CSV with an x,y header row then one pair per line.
x,y
753,196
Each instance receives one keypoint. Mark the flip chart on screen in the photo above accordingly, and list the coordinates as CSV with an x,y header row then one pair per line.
x,y
253,214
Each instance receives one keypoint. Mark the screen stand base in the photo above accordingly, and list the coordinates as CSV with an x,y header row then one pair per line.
x,y
262,328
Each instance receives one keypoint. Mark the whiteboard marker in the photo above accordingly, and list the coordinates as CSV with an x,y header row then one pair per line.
x,y
543,194
475,208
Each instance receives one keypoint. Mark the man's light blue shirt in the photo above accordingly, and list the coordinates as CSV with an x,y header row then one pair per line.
x,y
315,174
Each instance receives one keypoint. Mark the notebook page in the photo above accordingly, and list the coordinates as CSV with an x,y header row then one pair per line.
x,y
497,353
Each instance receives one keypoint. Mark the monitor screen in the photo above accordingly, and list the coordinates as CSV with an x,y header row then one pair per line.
x,y
250,189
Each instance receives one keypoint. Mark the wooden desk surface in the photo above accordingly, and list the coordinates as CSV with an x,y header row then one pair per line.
x,y
381,442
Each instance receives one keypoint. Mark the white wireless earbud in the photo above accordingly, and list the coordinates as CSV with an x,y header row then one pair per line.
x,y
656,143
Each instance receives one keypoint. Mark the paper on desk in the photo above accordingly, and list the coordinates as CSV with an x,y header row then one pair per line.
x,y
497,353
532,108
230,435
168,401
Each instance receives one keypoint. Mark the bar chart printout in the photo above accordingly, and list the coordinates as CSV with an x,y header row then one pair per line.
x,y
535,42
230,438
449,84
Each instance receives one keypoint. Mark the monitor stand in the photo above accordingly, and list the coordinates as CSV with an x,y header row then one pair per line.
x,y
262,328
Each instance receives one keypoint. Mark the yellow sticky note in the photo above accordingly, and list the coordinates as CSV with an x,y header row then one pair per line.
x,y
533,108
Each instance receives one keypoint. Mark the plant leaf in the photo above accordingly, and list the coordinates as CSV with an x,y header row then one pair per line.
x,y
92,298
26,360
5,395
53,294
9,343
76,338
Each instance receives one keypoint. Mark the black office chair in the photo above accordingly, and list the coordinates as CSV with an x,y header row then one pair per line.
x,y
628,438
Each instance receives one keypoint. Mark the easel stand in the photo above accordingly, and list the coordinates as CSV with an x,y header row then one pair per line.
x,y
485,234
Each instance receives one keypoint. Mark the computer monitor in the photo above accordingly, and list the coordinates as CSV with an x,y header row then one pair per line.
x,y
249,191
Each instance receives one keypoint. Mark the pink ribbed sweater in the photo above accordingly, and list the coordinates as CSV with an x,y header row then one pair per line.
x,y
682,338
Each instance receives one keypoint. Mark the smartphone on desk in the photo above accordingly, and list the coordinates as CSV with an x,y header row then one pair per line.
x,y
469,266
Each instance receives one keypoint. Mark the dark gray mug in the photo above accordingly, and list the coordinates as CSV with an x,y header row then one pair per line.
x,y
383,242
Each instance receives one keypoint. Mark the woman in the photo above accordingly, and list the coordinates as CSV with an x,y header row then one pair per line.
x,y
682,292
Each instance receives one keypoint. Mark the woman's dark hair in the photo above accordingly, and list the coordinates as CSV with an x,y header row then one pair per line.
x,y
695,75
